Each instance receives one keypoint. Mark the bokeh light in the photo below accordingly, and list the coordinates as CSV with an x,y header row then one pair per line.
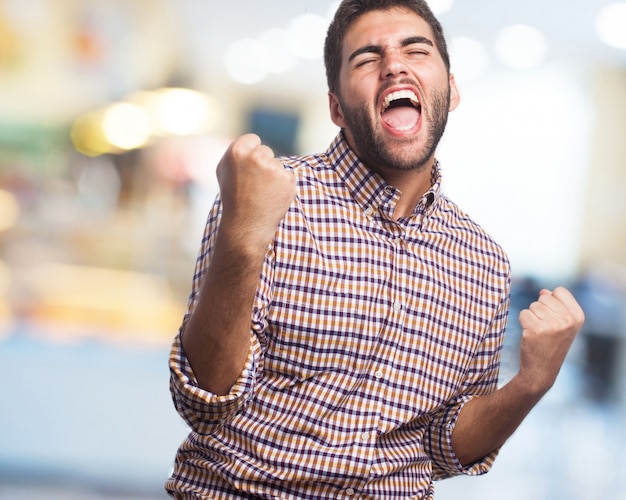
x,y
281,57
180,112
247,61
126,126
306,35
521,46
611,25
469,58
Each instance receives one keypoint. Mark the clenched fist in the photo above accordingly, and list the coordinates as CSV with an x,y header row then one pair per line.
x,y
256,189
549,326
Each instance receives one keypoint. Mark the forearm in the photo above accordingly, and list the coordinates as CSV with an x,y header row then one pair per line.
x,y
256,191
216,339
486,422
549,327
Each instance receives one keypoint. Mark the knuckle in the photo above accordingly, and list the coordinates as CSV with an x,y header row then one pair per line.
x,y
242,146
260,155
237,151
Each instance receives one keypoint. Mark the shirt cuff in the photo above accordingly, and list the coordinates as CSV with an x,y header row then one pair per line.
x,y
202,410
445,462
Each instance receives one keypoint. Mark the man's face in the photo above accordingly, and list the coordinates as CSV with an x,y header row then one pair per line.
x,y
394,91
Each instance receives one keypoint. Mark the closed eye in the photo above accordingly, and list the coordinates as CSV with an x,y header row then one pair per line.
x,y
364,55
417,51
418,46
366,61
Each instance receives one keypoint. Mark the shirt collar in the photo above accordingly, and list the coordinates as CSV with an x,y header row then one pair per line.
x,y
366,186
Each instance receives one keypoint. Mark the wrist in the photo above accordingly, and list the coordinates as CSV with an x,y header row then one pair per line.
x,y
244,240
530,388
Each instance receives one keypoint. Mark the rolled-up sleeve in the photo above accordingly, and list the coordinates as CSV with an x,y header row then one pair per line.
x,y
204,411
445,462
482,379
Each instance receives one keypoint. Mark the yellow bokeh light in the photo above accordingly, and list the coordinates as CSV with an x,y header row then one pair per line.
x,y
132,124
87,135
183,112
126,126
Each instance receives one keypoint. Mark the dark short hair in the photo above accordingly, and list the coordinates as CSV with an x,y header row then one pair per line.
x,y
350,10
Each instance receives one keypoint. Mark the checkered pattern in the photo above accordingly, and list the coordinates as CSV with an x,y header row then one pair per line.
x,y
368,335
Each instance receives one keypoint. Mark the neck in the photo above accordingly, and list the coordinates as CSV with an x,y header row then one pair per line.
x,y
412,184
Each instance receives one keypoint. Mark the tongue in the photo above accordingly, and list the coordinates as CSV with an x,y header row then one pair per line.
x,y
402,117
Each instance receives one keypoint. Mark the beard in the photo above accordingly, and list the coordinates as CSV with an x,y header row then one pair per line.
x,y
377,154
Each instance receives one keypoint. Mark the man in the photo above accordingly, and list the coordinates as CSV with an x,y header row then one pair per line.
x,y
345,325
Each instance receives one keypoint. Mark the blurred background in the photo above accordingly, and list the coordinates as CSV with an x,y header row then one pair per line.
x,y
113,115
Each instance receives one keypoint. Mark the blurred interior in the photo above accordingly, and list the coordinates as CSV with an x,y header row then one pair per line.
x,y
113,115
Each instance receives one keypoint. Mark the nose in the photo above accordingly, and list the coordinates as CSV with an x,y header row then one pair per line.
x,y
394,64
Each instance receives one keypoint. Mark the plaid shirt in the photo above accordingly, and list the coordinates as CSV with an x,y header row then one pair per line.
x,y
368,335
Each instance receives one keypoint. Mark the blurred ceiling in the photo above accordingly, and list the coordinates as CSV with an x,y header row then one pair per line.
x,y
60,58
210,27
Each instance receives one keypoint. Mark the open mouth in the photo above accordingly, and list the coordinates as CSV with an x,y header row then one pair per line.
x,y
401,110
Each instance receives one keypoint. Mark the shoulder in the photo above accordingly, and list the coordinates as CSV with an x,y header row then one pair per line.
x,y
312,164
461,229
316,175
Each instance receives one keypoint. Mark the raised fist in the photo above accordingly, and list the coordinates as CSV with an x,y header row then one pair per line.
x,y
256,188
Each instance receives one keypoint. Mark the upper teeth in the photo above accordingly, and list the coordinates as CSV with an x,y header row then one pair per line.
x,y
400,94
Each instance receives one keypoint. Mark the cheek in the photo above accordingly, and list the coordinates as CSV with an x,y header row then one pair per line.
x,y
359,89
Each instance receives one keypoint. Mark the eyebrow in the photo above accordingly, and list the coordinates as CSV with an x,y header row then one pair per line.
x,y
378,49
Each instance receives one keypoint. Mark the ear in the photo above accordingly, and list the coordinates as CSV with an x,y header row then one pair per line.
x,y
336,113
455,97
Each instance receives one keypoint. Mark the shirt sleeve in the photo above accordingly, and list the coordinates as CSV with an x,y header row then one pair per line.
x,y
204,411
482,379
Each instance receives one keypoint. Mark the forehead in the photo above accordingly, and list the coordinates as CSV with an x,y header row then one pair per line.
x,y
384,28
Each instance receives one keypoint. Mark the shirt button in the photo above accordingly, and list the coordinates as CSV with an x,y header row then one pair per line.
x,y
379,374
366,436
397,306
350,492
369,211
